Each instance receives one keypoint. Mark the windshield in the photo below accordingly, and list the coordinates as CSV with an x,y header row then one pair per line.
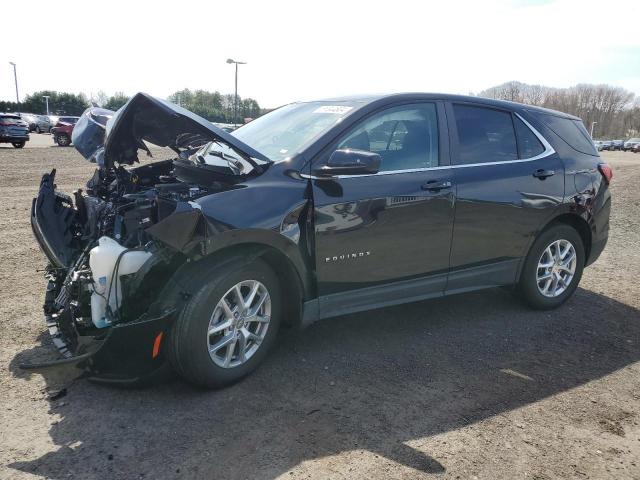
x,y
634,140
280,134
69,119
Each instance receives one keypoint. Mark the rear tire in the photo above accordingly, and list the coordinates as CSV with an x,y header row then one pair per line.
x,y
17,144
199,330
553,268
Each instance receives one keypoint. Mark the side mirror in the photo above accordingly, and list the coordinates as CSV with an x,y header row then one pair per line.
x,y
350,161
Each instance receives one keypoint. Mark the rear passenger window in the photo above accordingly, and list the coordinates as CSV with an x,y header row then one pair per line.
x,y
484,134
528,144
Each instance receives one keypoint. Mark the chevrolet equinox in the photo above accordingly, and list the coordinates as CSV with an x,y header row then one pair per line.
x,y
315,210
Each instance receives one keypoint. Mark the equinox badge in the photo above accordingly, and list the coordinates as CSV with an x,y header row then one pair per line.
x,y
347,256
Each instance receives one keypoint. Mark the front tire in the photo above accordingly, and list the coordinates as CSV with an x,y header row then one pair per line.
x,y
553,268
63,140
17,144
226,328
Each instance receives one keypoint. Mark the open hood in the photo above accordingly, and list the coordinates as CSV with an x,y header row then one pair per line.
x,y
149,119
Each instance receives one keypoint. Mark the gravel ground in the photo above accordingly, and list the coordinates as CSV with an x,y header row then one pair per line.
x,y
471,386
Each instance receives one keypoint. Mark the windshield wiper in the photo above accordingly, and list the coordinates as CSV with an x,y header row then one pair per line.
x,y
234,160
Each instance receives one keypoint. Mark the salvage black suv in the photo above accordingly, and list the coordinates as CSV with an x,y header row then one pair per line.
x,y
314,210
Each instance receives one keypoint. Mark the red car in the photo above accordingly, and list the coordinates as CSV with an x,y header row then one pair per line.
x,y
62,131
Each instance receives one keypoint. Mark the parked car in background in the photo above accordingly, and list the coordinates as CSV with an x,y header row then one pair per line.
x,y
30,119
636,148
314,210
631,144
607,145
43,124
227,127
53,120
598,145
63,130
13,130
617,144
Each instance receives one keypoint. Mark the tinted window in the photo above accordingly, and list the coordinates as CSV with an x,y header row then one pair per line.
x,y
405,137
10,120
484,134
571,131
528,144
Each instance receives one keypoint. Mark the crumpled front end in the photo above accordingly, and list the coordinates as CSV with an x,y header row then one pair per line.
x,y
118,339
114,247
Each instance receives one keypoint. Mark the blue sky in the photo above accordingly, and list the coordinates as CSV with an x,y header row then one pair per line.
x,y
300,50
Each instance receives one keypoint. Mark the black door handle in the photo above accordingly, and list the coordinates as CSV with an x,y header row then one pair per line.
x,y
542,174
436,185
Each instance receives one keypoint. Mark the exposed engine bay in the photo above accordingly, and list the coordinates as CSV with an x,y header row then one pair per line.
x,y
106,236
113,245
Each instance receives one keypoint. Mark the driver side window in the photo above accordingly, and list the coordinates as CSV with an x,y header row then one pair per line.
x,y
405,137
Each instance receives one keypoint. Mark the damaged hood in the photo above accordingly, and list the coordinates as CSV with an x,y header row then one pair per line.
x,y
148,119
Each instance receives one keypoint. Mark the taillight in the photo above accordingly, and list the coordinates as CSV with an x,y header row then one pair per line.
x,y
606,171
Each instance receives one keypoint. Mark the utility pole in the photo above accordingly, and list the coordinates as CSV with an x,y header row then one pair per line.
x,y
593,124
235,98
46,99
15,78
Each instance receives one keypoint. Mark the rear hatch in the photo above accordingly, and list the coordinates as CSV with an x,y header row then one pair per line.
x,y
13,126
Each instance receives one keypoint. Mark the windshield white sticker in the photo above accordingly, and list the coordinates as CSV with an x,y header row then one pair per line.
x,y
335,109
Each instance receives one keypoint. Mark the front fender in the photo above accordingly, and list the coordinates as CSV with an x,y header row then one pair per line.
x,y
274,213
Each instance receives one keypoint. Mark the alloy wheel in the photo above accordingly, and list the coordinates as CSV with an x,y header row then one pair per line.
x,y
239,323
556,268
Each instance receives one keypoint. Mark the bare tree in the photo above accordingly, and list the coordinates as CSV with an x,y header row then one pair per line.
x,y
616,110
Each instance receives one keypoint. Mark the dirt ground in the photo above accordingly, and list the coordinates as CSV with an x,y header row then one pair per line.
x,y
471,386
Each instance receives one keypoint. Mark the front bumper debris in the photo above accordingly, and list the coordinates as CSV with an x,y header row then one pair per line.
x,y
123,354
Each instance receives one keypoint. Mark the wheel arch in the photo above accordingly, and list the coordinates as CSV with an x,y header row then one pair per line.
x,y
295,285
577,222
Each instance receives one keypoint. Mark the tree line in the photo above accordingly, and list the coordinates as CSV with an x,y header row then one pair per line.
x,y
214,106
63,103
615,110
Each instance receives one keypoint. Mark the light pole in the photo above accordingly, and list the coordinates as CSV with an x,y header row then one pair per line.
x,y
46,99
235,98
593,124
15,78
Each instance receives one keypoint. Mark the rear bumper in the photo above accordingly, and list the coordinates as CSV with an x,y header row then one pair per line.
x,y
14,138
596,249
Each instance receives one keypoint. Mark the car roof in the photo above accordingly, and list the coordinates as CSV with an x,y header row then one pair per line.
x,y
365,99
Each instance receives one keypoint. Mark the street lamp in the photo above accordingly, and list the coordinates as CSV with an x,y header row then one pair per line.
x,y
46,99
15,78
235,101
593,124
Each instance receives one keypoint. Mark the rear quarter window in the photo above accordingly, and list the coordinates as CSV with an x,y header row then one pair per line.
x,y
571,131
